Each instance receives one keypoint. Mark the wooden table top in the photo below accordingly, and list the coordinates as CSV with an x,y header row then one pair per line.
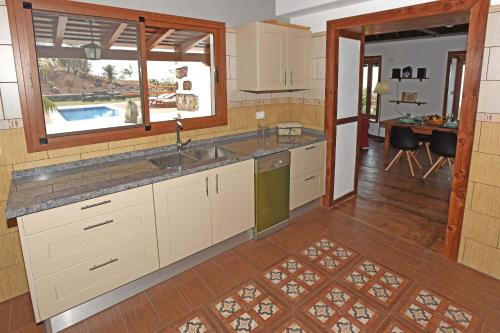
x,y
426,128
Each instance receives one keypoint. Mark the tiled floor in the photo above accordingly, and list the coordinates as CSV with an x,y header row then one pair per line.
x,y
324,273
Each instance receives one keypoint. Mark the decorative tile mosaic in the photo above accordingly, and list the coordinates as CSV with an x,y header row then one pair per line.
x,y
376,281
335,309
432,312
249,308
395,326
294,325
292,278
197,322
328,254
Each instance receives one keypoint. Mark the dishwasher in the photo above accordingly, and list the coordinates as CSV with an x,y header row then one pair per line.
x,y
272,193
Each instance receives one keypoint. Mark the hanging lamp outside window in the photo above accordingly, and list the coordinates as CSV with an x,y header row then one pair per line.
x,y
92,50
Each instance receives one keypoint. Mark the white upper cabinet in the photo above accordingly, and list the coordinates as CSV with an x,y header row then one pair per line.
x,y
272,57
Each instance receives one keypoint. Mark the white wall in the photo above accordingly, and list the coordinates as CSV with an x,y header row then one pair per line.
x,y
431,53
233,12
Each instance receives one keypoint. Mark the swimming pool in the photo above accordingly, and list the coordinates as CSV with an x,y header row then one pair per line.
x,y
87,113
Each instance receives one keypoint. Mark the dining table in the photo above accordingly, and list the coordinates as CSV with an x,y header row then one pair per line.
x,y
417,128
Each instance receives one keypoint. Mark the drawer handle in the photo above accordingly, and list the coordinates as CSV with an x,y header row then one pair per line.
x,y
110,261
310,178
98,225
206,186
96,204
217,184
309,148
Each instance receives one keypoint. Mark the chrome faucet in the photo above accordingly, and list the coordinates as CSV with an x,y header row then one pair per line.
x,y
178,128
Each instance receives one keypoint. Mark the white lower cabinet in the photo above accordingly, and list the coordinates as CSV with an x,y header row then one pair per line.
x,y
202,209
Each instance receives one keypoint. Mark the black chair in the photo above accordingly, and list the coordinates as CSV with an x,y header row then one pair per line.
x,y
443,144
404,139
425,140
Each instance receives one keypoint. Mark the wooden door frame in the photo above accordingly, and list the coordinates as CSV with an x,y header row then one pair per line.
x,y
370,60
478,16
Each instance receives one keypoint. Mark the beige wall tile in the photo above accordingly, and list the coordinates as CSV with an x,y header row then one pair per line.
x,y
77,150
13,146
485,200
11,103
4,228
10,250
108,152
4,26
41,163
485,169
493,64
13,282
469,196
231,44
482,257
461,248
7,66
481,228
492,35
484,70
489,99
319,47
477,135
489,141
4,181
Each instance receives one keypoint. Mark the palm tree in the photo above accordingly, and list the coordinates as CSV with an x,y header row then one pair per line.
x,y
48,105
109,71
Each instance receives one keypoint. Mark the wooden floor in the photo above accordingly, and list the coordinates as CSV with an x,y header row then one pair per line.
x,y
374,280
396,203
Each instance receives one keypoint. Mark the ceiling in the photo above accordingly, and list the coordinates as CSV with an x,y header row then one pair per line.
x,y
435,32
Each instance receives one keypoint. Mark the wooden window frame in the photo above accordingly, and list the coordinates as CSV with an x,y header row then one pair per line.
x,y
370,61
461,56
21,27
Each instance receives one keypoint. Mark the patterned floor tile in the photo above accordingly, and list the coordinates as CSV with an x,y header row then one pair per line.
x,y
293,279
396,326
376,281
431,312
197,322
328,254
249,308
294,324
335,309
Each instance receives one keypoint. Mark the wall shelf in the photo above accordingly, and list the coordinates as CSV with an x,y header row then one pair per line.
x,y
403,102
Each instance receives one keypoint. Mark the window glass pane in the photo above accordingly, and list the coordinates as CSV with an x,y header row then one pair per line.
x,y
89,72
374,100
181,73
365,89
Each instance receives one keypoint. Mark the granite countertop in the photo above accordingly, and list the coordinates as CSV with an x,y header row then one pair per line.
x,y
39,189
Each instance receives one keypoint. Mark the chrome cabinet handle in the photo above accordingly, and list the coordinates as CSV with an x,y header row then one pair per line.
x,y
110,261
217,184
98,225
206,185
309,148
310,178
285,78
96,204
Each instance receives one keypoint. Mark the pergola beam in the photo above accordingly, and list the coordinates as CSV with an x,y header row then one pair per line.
x,y
113,36
61,27
188,45
158,37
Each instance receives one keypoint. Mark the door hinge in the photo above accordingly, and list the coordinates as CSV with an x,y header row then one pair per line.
x,y
147,128
43,141
27,5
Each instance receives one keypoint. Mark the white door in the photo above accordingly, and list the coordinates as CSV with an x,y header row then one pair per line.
x,y
272,56
232,195
183,216
298,64
347,116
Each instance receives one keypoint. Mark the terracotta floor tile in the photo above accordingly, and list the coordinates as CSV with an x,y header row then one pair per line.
x,y
196,322
22,312
395,326
31,328
133,302
218,280
168,302
107,321
193,289
260,254
5,313
234,265
142,318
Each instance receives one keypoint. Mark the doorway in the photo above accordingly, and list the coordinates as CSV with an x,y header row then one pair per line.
x,y
455,71
475,12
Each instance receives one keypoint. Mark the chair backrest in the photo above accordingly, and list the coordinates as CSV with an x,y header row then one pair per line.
x,y
444,143
403,138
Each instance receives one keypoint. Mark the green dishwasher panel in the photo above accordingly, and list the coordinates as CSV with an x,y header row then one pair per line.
x,y
272,190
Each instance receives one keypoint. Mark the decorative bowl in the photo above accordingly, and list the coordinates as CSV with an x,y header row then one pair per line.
x,y
407,120
436,122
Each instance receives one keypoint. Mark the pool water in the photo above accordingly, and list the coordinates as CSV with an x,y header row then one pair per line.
x,y
87,113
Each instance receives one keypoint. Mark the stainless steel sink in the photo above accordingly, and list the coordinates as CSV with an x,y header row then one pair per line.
x,y
189,157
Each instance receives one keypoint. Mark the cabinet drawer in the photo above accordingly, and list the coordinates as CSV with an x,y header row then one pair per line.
x,y
305,160
66,246
63,290
60,216
306,188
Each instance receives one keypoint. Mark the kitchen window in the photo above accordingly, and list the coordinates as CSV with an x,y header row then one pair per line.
x,y
371,76
90,73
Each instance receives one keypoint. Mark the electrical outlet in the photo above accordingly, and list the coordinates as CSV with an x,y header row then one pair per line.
x,y
260,115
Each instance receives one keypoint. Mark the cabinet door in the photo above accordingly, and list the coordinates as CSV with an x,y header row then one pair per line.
x,y
272,56
232,200
183,216
298,61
